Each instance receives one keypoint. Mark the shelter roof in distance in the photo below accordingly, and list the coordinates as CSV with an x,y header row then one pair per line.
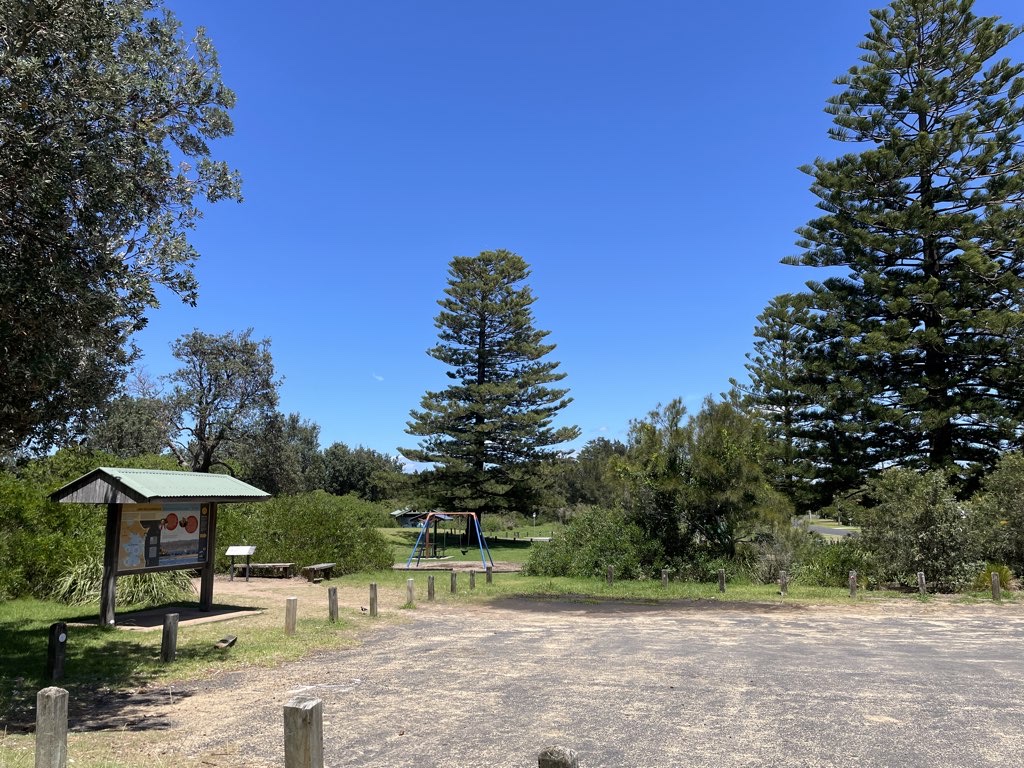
x,y
119,485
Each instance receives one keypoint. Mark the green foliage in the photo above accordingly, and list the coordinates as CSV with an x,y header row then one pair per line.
x,y
82,582
781,548
595,539
283,457
310,528
829,564
983,581
699,488
222,396
106,111
589,477
363,471
913,522
1000,509
486,434
40,540
914,353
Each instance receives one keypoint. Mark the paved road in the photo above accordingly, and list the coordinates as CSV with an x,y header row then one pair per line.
x,y
689,685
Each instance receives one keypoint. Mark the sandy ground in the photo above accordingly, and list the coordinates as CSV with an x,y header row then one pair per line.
x,y
687,684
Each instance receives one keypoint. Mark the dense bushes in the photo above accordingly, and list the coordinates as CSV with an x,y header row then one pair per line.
x,y
310,528
595,539
42,544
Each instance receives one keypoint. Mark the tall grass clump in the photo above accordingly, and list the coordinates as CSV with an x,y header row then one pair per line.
x,y
82,580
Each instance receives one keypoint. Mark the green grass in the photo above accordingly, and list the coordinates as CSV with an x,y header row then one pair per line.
x,y
504,549
98,658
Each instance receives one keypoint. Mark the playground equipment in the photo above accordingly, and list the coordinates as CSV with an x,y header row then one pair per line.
x,y
423,542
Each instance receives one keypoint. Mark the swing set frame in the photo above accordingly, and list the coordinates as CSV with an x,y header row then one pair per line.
x,y
423,540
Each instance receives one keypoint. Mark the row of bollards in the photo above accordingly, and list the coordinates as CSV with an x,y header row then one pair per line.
x,y
304,738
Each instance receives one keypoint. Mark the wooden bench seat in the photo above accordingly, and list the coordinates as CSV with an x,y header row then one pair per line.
x,y
281,570
318,571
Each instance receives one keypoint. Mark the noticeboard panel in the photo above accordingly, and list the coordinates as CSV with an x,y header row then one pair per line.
x,y
161,536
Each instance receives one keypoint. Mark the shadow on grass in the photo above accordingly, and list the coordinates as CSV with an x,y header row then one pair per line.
x,y
106,671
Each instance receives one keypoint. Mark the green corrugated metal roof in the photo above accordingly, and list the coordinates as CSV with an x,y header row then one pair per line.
x,y
157,485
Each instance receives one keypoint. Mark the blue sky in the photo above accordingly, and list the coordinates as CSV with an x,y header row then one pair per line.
x,y
642,157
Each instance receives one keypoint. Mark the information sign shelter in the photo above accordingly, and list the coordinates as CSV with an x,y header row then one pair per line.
x,y
157,521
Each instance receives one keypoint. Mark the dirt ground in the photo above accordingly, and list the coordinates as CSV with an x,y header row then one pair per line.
x,y
684,684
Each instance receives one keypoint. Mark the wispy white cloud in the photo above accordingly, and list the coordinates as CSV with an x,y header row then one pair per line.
x,y
378,377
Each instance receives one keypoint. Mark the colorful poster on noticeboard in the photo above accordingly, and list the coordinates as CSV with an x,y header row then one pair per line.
x,y
162,535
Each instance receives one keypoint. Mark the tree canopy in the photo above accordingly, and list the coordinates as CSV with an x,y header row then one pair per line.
x,y
486,434
222,397
915,353
106,111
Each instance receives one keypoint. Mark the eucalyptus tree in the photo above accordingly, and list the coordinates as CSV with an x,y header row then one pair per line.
x,y
106,113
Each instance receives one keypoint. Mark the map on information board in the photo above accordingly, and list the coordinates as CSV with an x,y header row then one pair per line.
x,y
162,535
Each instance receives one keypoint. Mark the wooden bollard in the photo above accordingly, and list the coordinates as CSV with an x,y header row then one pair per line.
x,y
304,733
853,584
558,757
291,614
455,582
169,638
332,603
430,587
410,592
721,579
373,599
52,728
997,587
490,574
56,650
610,576
472,579
922,586
783,583
664,577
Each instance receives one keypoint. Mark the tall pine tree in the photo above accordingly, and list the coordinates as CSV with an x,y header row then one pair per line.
x,y
924,331
488,432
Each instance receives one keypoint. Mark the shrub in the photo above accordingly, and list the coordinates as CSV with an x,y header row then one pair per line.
x,y
595,539
781,548
309,528
912,523
829,564
1000,510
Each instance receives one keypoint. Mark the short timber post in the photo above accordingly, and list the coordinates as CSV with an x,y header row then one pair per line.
x,y
373,599
169,638
291,614
472,579
558,757
664,577
922,585
56,650
455,582
332,603
410,592
853,584
490,574
997,587
52,728
721,579
304,733
610,576
430,587
783,583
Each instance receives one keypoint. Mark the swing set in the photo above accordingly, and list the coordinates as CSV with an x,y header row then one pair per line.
x,y
423,543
